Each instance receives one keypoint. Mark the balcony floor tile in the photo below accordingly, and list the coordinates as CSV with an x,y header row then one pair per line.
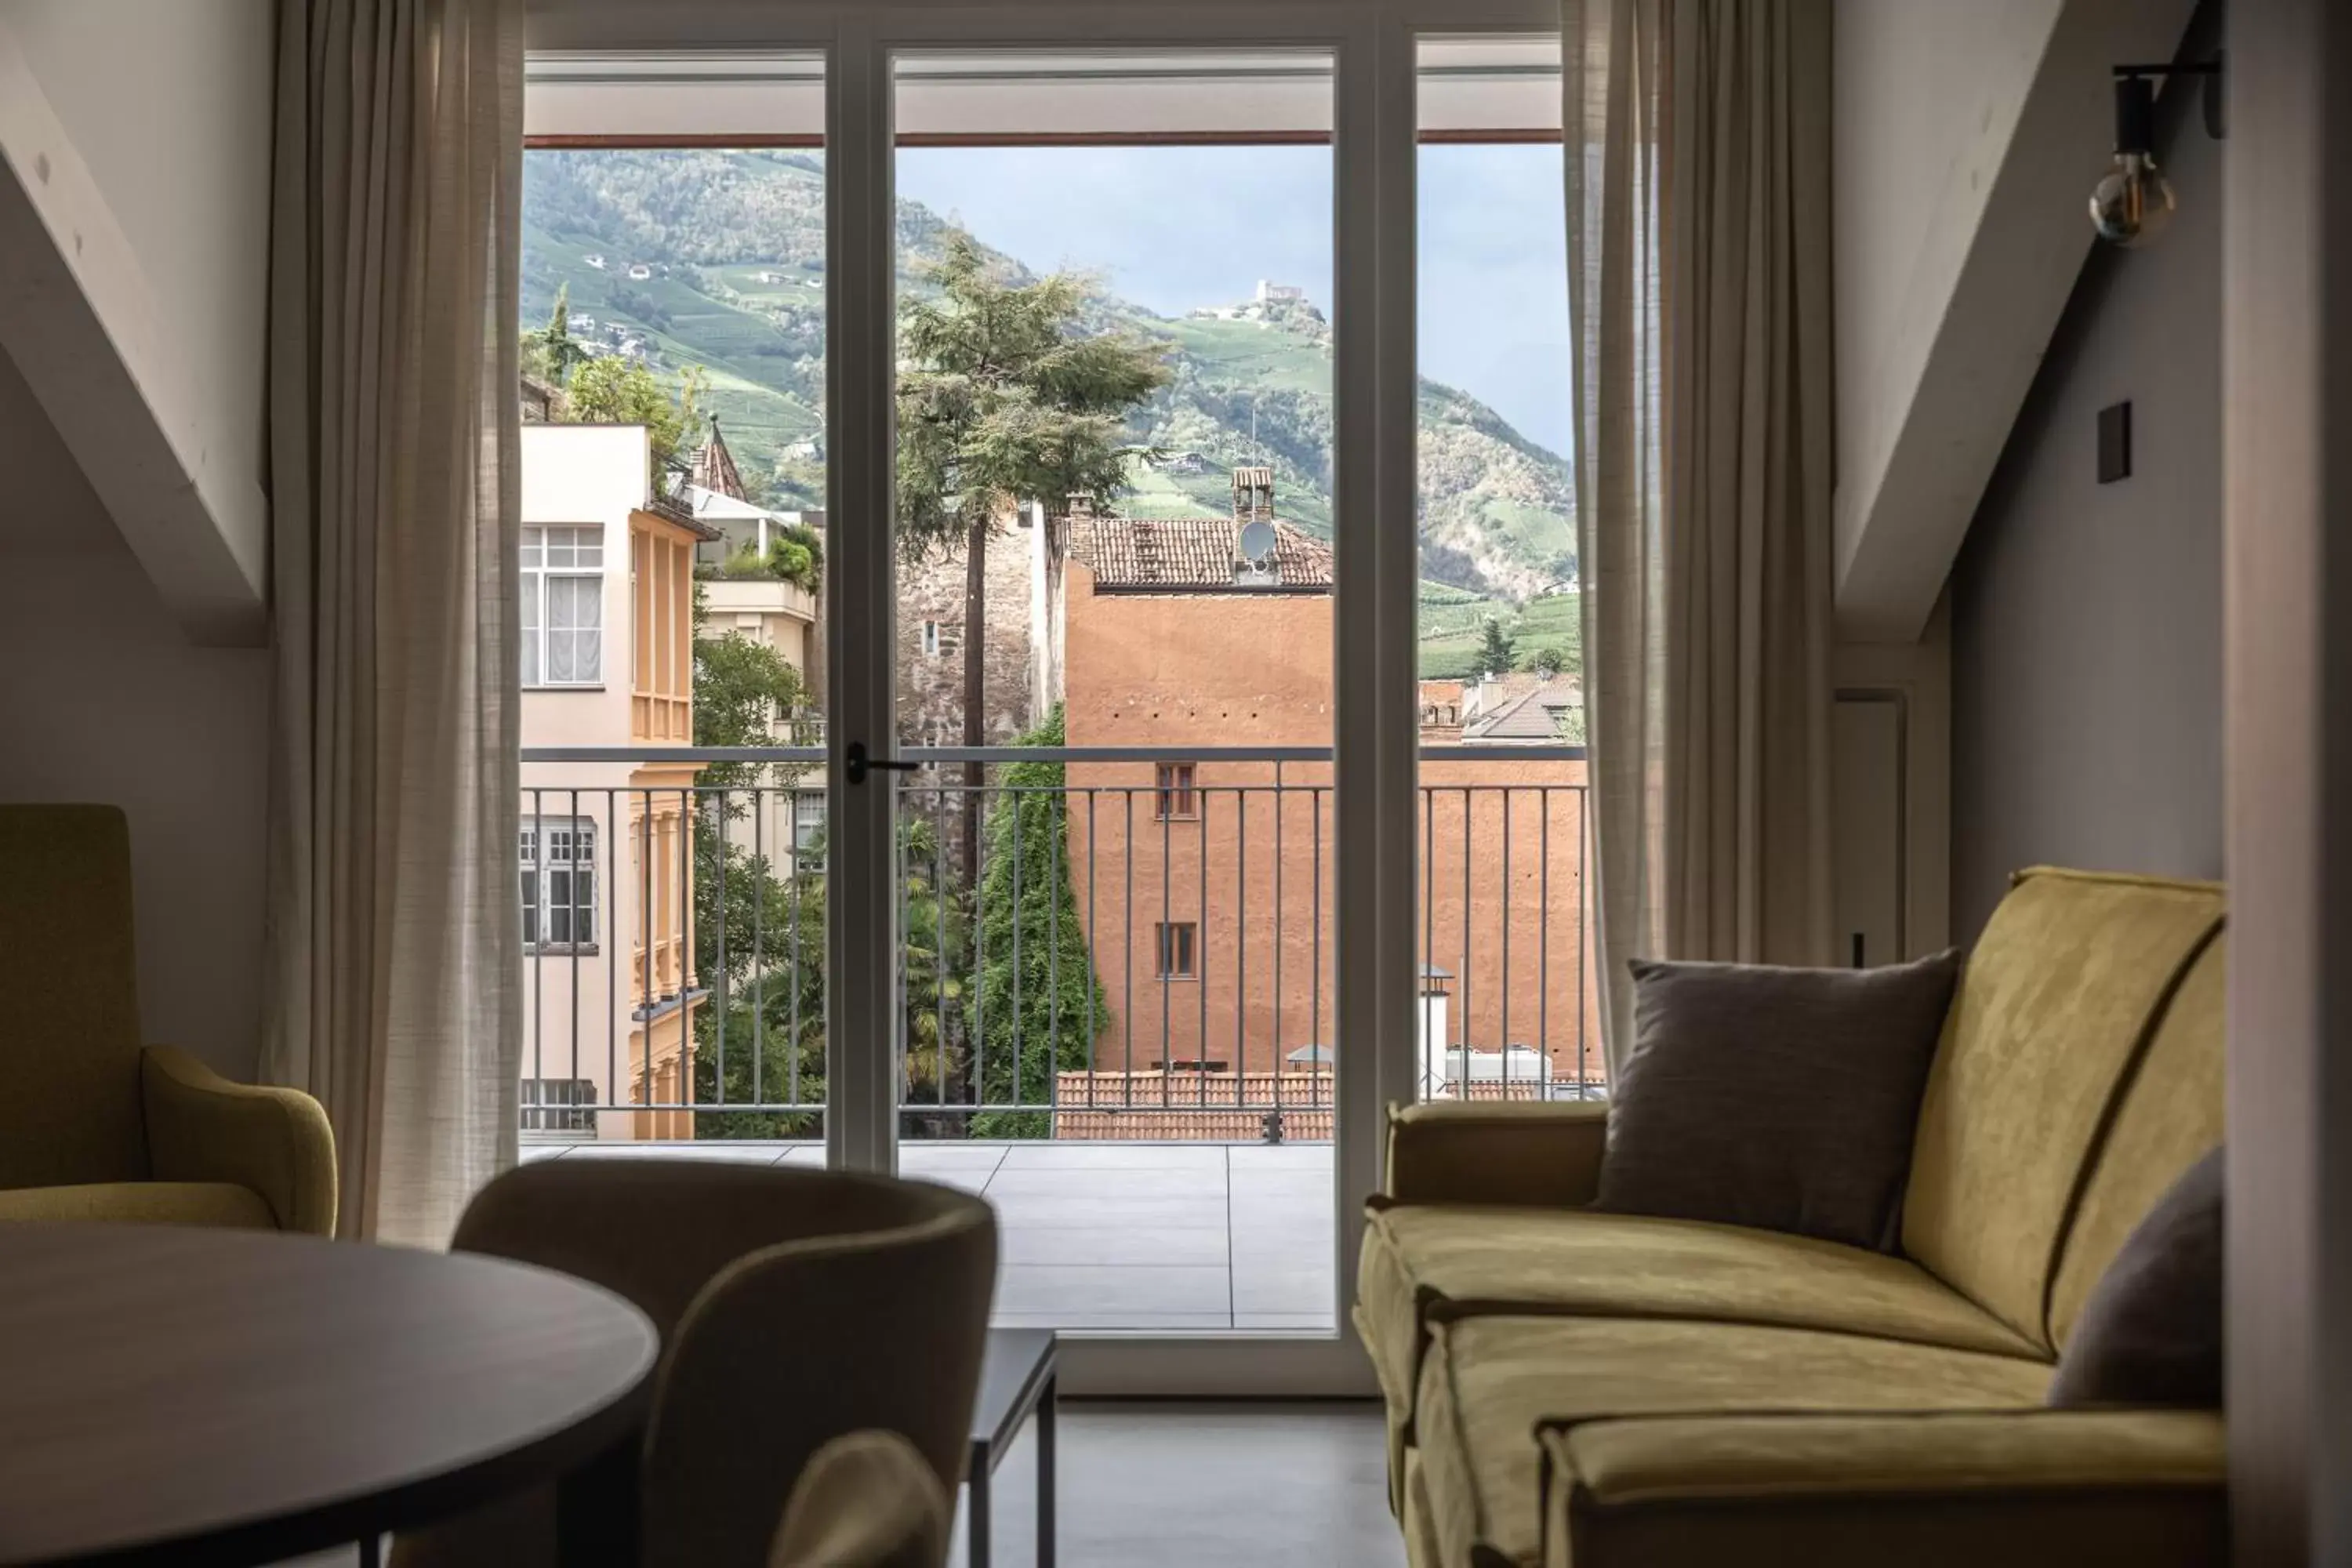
x,y
1086,1156
1154,1237
1095,1288
743,1154
1109,1183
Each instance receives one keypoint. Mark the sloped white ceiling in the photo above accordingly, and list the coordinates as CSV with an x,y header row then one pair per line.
x,y
134,200
1967,139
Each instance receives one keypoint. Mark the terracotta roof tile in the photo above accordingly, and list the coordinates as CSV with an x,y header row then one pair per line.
x,y
1192,555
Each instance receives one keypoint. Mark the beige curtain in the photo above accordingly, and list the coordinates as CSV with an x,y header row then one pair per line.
x,y
395,932
1697,166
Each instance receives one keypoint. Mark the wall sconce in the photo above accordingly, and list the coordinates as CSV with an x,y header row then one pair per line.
x,y
2131,206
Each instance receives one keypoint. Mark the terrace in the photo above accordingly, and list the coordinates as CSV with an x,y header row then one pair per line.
x,y
1182,1236
1117,1010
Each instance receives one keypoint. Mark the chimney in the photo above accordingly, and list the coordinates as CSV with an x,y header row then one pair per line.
x,y
1252,495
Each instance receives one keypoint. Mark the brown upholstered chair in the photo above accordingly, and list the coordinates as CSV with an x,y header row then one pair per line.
x,y
94,1126
794,1307
866,1500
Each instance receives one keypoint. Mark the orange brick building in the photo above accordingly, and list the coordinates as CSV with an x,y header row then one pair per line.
x,y
1206,885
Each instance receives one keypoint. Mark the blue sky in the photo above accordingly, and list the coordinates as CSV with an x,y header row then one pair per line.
x,y
1174,227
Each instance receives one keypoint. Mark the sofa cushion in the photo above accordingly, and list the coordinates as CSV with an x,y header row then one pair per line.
x,y
2151,1332
1424,1263
2170,1114
1487,1384
1937,1489
142,1203
1782,1098
2060,993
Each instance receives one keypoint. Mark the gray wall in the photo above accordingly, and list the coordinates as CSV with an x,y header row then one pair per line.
x,y
102,699
2087,619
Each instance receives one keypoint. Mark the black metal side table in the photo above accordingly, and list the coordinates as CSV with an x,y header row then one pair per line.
x,y
1017,1381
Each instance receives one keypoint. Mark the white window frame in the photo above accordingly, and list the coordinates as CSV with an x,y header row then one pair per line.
x,y
537,871
559,1105
930,640
808,819
538,632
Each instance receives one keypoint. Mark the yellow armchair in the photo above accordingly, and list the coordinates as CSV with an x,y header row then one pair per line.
x,y
94,1126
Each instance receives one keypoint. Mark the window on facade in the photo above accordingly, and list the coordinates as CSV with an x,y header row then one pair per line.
x,y
563,606
1175,794
1178,956
559,882
930,640
808,818
559,1105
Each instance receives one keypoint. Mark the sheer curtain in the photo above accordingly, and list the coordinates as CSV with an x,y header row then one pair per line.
x,y
1697,167
395,926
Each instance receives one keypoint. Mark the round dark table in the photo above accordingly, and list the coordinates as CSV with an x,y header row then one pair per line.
x,y
211,1396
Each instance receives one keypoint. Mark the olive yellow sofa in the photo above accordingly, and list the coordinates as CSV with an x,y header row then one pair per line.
x,y
1569,1387
93,1126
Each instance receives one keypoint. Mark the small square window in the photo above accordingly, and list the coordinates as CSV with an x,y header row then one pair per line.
x,y
1175,796
1178,947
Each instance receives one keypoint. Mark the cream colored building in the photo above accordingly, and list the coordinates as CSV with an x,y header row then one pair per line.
x,y
779,615
605,852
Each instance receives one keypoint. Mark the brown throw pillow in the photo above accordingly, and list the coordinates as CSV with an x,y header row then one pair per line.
x,y
1782,1098
2151,1331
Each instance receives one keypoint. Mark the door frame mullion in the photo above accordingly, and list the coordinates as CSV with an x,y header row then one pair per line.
x,y
863,1022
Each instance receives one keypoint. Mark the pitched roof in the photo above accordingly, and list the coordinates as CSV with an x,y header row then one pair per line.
x,y
1533,715
671,508
714,465
1193,555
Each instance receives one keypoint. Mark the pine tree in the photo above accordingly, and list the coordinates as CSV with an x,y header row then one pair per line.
x,y
1002,400
1495,653
1039,997
551,351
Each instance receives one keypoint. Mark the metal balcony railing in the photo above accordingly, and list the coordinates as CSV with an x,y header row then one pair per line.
x,y
1097,942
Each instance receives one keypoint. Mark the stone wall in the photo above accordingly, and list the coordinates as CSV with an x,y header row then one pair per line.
x,y
930,684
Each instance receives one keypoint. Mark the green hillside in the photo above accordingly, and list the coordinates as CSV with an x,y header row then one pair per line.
x,y
716,259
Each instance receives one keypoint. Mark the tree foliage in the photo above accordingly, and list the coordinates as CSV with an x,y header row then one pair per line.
x,y
759,933
1495,650
1040,999
796,555
612,389
742,687
551,352
1002,399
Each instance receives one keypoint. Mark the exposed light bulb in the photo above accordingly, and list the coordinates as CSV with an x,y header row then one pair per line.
x,y
2133,203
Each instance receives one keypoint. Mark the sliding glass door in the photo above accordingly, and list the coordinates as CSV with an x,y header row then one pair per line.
x,y
1016,781
1116,602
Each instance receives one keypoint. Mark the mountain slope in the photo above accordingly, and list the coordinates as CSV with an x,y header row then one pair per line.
x,y
717,258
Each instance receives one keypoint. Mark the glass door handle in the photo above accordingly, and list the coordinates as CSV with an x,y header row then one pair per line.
x,y
858,763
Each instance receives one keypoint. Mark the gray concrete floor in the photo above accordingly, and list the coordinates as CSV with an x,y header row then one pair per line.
x,y
1175,1236
1186,1486
1190,1485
